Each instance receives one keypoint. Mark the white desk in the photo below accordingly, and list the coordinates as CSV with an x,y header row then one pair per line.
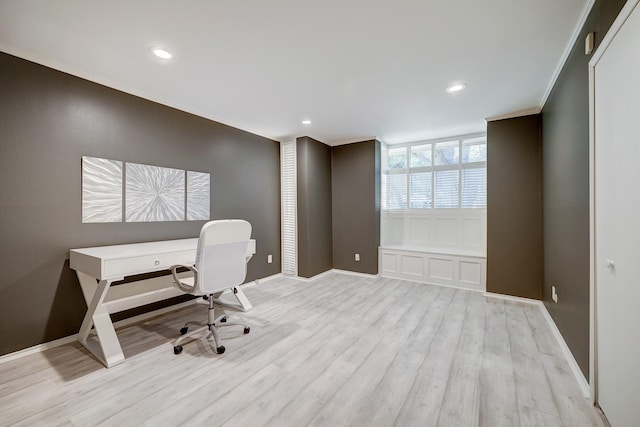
x,y
98,267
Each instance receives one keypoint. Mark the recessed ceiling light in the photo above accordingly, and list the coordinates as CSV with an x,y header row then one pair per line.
x,y
306,122
161,53
456,87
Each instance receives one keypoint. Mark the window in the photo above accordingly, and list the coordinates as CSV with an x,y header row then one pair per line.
x,y
447,153
442,175
420,155
397,158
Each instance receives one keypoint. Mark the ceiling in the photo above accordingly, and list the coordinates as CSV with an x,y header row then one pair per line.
x,y
356,69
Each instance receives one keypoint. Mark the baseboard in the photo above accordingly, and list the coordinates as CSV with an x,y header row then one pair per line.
x,y
575,369
338,271
354,273
38,348
264,279
119,324
513,298
316,277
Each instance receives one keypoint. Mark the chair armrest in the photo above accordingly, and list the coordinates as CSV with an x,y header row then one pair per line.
x,y
184,287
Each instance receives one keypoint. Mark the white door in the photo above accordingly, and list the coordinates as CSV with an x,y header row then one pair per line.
x,y
617,222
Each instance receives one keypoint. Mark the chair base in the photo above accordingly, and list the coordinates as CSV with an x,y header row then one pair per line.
x,y
210,328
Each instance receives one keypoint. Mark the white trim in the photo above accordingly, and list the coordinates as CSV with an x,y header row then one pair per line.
x,y
442,285
334,270
512,298
312,278
568,355
264,279
592,232
355,273
352,141
38,348
117,325
622,17
624,14
567,51
515,114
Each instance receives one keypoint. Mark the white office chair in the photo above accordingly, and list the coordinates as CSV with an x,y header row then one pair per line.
x,y
221,264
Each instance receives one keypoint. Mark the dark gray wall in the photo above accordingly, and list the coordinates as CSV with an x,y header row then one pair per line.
x,y
565,141
355,176
48,121
314,207
514,207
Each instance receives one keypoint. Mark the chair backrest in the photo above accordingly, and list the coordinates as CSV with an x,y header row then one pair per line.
x,y
221,257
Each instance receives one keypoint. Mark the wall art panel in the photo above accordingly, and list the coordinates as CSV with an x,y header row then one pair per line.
x,y
154,193
101,190
198,196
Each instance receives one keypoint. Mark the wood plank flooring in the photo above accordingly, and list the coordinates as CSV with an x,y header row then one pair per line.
x,y
338,351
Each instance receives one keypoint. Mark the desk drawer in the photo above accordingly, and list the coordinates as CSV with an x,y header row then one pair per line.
x,y
142,264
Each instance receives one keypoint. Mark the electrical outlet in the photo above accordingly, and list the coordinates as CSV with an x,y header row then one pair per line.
x,y
269,259
357,257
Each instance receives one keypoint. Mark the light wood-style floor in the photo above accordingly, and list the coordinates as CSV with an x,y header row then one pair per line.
x,y
339,351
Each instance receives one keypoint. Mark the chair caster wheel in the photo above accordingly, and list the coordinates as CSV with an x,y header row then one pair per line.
x,y
223,320
247,329
177,349
183,330
220,349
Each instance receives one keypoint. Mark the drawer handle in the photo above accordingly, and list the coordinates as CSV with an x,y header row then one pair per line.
x,y
157,262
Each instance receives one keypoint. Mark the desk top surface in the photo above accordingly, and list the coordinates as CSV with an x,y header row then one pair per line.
x,y
137,249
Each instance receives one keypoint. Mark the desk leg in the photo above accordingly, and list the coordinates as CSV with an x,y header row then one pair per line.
x,y
106,347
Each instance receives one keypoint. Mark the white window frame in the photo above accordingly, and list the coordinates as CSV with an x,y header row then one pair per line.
x,y
407,171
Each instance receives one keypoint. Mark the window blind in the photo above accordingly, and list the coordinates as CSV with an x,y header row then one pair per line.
x,y
397,191
420,190
446,189
288,170
383,191
474,188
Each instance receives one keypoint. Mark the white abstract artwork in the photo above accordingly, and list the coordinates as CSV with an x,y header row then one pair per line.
x,y
154,193
198,196
101,190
